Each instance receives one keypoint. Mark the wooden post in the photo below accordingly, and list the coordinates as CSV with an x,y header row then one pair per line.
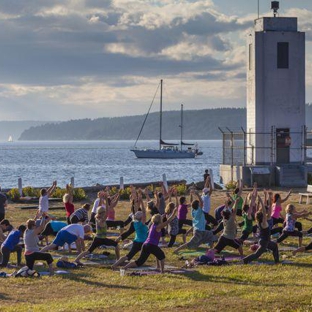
x,y
165,182
72,182
20,186
121,184
211,178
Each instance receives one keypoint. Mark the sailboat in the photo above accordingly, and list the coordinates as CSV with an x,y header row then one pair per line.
x,y
165,150
10,139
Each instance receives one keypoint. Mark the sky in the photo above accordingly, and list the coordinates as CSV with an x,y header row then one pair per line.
x,y
73,59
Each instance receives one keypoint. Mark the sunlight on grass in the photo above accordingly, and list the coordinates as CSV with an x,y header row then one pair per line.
x,y
257,287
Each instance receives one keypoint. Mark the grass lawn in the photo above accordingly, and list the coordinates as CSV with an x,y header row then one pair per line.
x,y
257,287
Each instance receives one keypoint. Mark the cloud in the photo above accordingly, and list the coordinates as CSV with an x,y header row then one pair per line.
x,y
104,56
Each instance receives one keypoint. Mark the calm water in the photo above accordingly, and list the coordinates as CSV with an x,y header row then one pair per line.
x,y
92,162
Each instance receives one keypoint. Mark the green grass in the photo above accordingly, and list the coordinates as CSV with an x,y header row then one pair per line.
x,y
284,287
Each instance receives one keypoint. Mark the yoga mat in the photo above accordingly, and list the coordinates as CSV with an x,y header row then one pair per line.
x,y
250,241
96,256
229,258
146,273
59,272
67,256
113,234
192,253
150,268
287,248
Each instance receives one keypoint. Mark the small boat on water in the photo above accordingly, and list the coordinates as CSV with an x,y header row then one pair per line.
x,y
167,150
10,139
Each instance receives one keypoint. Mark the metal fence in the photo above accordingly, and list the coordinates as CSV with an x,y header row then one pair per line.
x,y
275,146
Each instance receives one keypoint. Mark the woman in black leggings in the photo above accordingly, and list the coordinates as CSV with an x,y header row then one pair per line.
x,y
173,226
31,239
264,236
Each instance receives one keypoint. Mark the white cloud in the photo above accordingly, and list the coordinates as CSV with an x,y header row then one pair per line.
x,y
103,57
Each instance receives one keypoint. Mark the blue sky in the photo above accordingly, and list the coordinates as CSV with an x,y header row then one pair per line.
x,y
70,59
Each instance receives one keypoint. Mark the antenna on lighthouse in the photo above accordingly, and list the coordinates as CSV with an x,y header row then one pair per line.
x,y
275,7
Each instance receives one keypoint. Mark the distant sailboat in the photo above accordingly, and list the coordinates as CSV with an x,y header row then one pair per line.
x,y
10,139
165,150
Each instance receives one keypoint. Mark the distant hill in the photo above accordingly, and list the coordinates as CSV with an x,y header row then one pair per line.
x,y
198,125
15,128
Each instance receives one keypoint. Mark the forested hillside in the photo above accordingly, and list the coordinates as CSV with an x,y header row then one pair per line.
x,y
198,125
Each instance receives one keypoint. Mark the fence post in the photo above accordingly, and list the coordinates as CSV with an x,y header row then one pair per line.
x,y
20,186
72,182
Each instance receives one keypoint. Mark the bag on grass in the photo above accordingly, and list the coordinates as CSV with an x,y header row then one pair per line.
x,y
66,264
218,262
26,272
3,274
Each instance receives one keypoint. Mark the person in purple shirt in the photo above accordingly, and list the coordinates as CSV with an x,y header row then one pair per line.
x,y
182,213
11,245
150,246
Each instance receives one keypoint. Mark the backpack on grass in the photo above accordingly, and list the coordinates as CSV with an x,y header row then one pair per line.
x,y
26,272
66,264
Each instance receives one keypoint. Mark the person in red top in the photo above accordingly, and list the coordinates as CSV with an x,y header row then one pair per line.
x,y
69,206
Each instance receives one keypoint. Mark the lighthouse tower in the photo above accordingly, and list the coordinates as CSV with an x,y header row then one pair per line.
x,y
276,96
274,140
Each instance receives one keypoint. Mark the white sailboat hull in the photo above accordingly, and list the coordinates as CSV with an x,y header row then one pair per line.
x,y
163,153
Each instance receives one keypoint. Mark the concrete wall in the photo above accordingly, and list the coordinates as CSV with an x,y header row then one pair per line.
x,y
228,174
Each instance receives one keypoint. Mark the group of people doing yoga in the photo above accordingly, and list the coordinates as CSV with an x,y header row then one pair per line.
x,y
151,219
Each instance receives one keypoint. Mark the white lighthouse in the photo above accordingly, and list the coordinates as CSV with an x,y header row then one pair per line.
x,y
274,140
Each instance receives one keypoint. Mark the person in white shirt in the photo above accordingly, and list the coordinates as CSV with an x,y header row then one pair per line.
x,y
207,191
70,234
96,204
44,199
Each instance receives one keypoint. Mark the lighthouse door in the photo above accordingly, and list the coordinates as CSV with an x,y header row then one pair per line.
x,y
283,142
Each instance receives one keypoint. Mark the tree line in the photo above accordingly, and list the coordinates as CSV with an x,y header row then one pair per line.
x,y
198,125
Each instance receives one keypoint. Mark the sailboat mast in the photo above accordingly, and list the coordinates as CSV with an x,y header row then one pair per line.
x,y
160,114
181,126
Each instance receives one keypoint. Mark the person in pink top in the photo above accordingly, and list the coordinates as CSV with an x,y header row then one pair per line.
x,y
110,221
277,208
69,206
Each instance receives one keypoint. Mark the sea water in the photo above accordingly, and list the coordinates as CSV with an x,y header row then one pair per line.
x,y
98,162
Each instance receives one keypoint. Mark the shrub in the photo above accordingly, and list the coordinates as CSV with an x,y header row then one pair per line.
x,y
14,194
31,192
231,185
58,193
181,188
79,194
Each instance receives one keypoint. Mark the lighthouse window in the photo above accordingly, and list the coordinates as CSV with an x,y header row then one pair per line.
x,y
282,55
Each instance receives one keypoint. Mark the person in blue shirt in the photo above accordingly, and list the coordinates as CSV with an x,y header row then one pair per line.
x,y
141,234
11,244
200,234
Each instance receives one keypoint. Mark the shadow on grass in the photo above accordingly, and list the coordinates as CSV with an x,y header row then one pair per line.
x,y
4,297
202,277
80,279
299,264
